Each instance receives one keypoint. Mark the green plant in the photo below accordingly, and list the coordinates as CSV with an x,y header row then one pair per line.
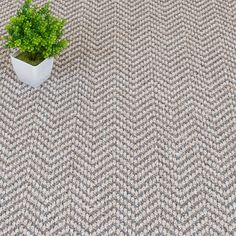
x,y
35,32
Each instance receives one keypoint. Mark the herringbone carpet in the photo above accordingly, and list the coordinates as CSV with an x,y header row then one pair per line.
x,y
135,132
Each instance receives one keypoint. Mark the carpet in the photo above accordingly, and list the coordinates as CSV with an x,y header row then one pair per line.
x,y
135,131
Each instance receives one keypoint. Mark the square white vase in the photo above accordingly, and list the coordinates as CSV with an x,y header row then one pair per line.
x,y
32,75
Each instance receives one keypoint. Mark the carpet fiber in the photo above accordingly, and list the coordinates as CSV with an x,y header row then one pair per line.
x,y
134,133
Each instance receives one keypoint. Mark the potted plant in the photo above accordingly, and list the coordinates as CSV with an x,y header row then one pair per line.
x,y
37,35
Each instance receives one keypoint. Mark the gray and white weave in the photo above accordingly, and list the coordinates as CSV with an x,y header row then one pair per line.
x,y
135,132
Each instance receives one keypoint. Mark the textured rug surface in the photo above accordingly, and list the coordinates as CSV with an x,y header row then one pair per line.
x,y
134,133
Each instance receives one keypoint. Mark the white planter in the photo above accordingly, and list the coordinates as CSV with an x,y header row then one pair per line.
x,y
32,75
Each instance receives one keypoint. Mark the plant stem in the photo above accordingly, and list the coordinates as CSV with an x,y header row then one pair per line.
x,y
33,56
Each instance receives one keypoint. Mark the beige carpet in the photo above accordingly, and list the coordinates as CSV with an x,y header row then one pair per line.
x,y
135,132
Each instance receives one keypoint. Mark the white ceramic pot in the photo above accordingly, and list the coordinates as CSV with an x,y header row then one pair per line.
x,y
32,75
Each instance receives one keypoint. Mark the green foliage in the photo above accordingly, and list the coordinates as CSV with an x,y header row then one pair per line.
x,y
36,31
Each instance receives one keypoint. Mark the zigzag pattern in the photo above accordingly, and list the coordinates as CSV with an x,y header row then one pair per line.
x,y
134,133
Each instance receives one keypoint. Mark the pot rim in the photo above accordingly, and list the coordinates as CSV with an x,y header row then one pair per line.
x,y
13,55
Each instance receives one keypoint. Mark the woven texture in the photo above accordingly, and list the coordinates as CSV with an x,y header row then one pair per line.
x,y
134,133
